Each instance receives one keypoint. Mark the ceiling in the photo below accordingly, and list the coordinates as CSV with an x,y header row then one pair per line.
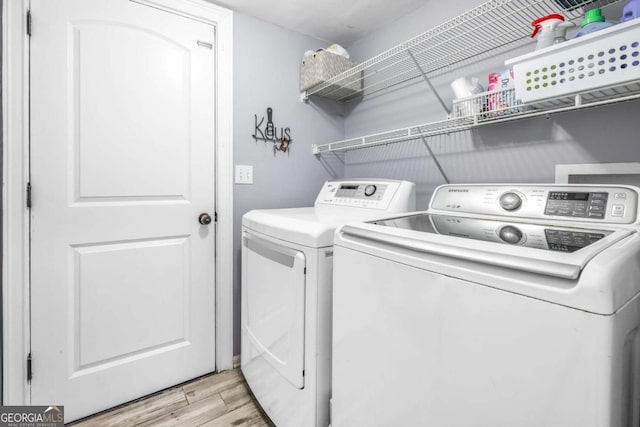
x,y
335,21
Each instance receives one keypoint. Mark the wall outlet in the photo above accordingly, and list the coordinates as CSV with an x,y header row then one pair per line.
x,y
244,174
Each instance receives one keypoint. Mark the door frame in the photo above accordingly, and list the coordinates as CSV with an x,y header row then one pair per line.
x,y
15,173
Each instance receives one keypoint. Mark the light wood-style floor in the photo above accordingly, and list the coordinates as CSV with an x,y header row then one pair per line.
x,y
218,400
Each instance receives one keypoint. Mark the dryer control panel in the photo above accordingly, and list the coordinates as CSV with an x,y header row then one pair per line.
x,y
581,203
387,195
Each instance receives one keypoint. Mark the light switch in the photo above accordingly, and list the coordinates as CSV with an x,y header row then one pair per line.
x,y
244,174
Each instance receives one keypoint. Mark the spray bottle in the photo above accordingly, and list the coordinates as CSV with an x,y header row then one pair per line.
x,y
561,31
545,30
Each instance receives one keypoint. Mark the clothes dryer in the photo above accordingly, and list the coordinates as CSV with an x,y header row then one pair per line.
x,y
287,261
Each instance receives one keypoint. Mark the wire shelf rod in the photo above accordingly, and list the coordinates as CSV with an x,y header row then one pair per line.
x,y
600,97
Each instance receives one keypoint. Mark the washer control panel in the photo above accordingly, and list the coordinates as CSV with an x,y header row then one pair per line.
x,y
582,203
577,204
388,195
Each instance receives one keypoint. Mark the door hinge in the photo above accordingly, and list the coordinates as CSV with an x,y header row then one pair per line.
x,y
29,371
29,195
29,23
304,271
215,217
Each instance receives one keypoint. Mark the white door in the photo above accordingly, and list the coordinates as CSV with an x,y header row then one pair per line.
x,y
122,164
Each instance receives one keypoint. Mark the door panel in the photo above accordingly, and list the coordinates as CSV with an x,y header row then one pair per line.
x,y
275,280
122,164
159,78
106,275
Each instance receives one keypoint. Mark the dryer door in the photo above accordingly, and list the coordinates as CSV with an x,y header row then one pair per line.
x,y
273,317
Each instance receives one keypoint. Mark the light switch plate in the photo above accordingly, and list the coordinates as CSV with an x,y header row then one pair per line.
x,y
244,174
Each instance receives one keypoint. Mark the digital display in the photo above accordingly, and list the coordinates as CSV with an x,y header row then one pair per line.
x,y
349,192
568,196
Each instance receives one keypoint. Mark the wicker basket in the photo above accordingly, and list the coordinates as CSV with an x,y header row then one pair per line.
x,y
323,65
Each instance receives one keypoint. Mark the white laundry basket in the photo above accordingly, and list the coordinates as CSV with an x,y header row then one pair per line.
x,y
606,58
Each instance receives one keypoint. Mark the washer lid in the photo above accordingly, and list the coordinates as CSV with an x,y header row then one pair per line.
x,y
599,278
558,251
547,237
312,227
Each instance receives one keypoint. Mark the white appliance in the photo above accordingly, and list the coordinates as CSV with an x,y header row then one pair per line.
x,y
500,306
287,257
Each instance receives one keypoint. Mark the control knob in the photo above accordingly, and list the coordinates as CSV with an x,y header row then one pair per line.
x,y
369,190
510,201
510,234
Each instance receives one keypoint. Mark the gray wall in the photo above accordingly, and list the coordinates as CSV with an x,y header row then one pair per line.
x,y
266,61
523,151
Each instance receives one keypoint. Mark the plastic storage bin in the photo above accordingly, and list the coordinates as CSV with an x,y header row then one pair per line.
x,y
606,58
322,66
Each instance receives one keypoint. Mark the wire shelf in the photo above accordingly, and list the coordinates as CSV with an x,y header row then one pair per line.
x,y
491,27
473,112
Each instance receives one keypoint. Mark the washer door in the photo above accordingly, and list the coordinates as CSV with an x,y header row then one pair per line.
x,y
274,282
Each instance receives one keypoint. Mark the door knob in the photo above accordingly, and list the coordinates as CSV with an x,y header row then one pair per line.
x,y
204,219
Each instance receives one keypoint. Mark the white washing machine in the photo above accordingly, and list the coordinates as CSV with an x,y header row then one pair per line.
x,y
287,258
500,306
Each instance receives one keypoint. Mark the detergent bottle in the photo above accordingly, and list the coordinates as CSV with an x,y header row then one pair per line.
x,y
631,11
593,21
545,30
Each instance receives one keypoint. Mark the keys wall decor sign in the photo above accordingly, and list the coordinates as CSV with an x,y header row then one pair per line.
x,y
268,132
